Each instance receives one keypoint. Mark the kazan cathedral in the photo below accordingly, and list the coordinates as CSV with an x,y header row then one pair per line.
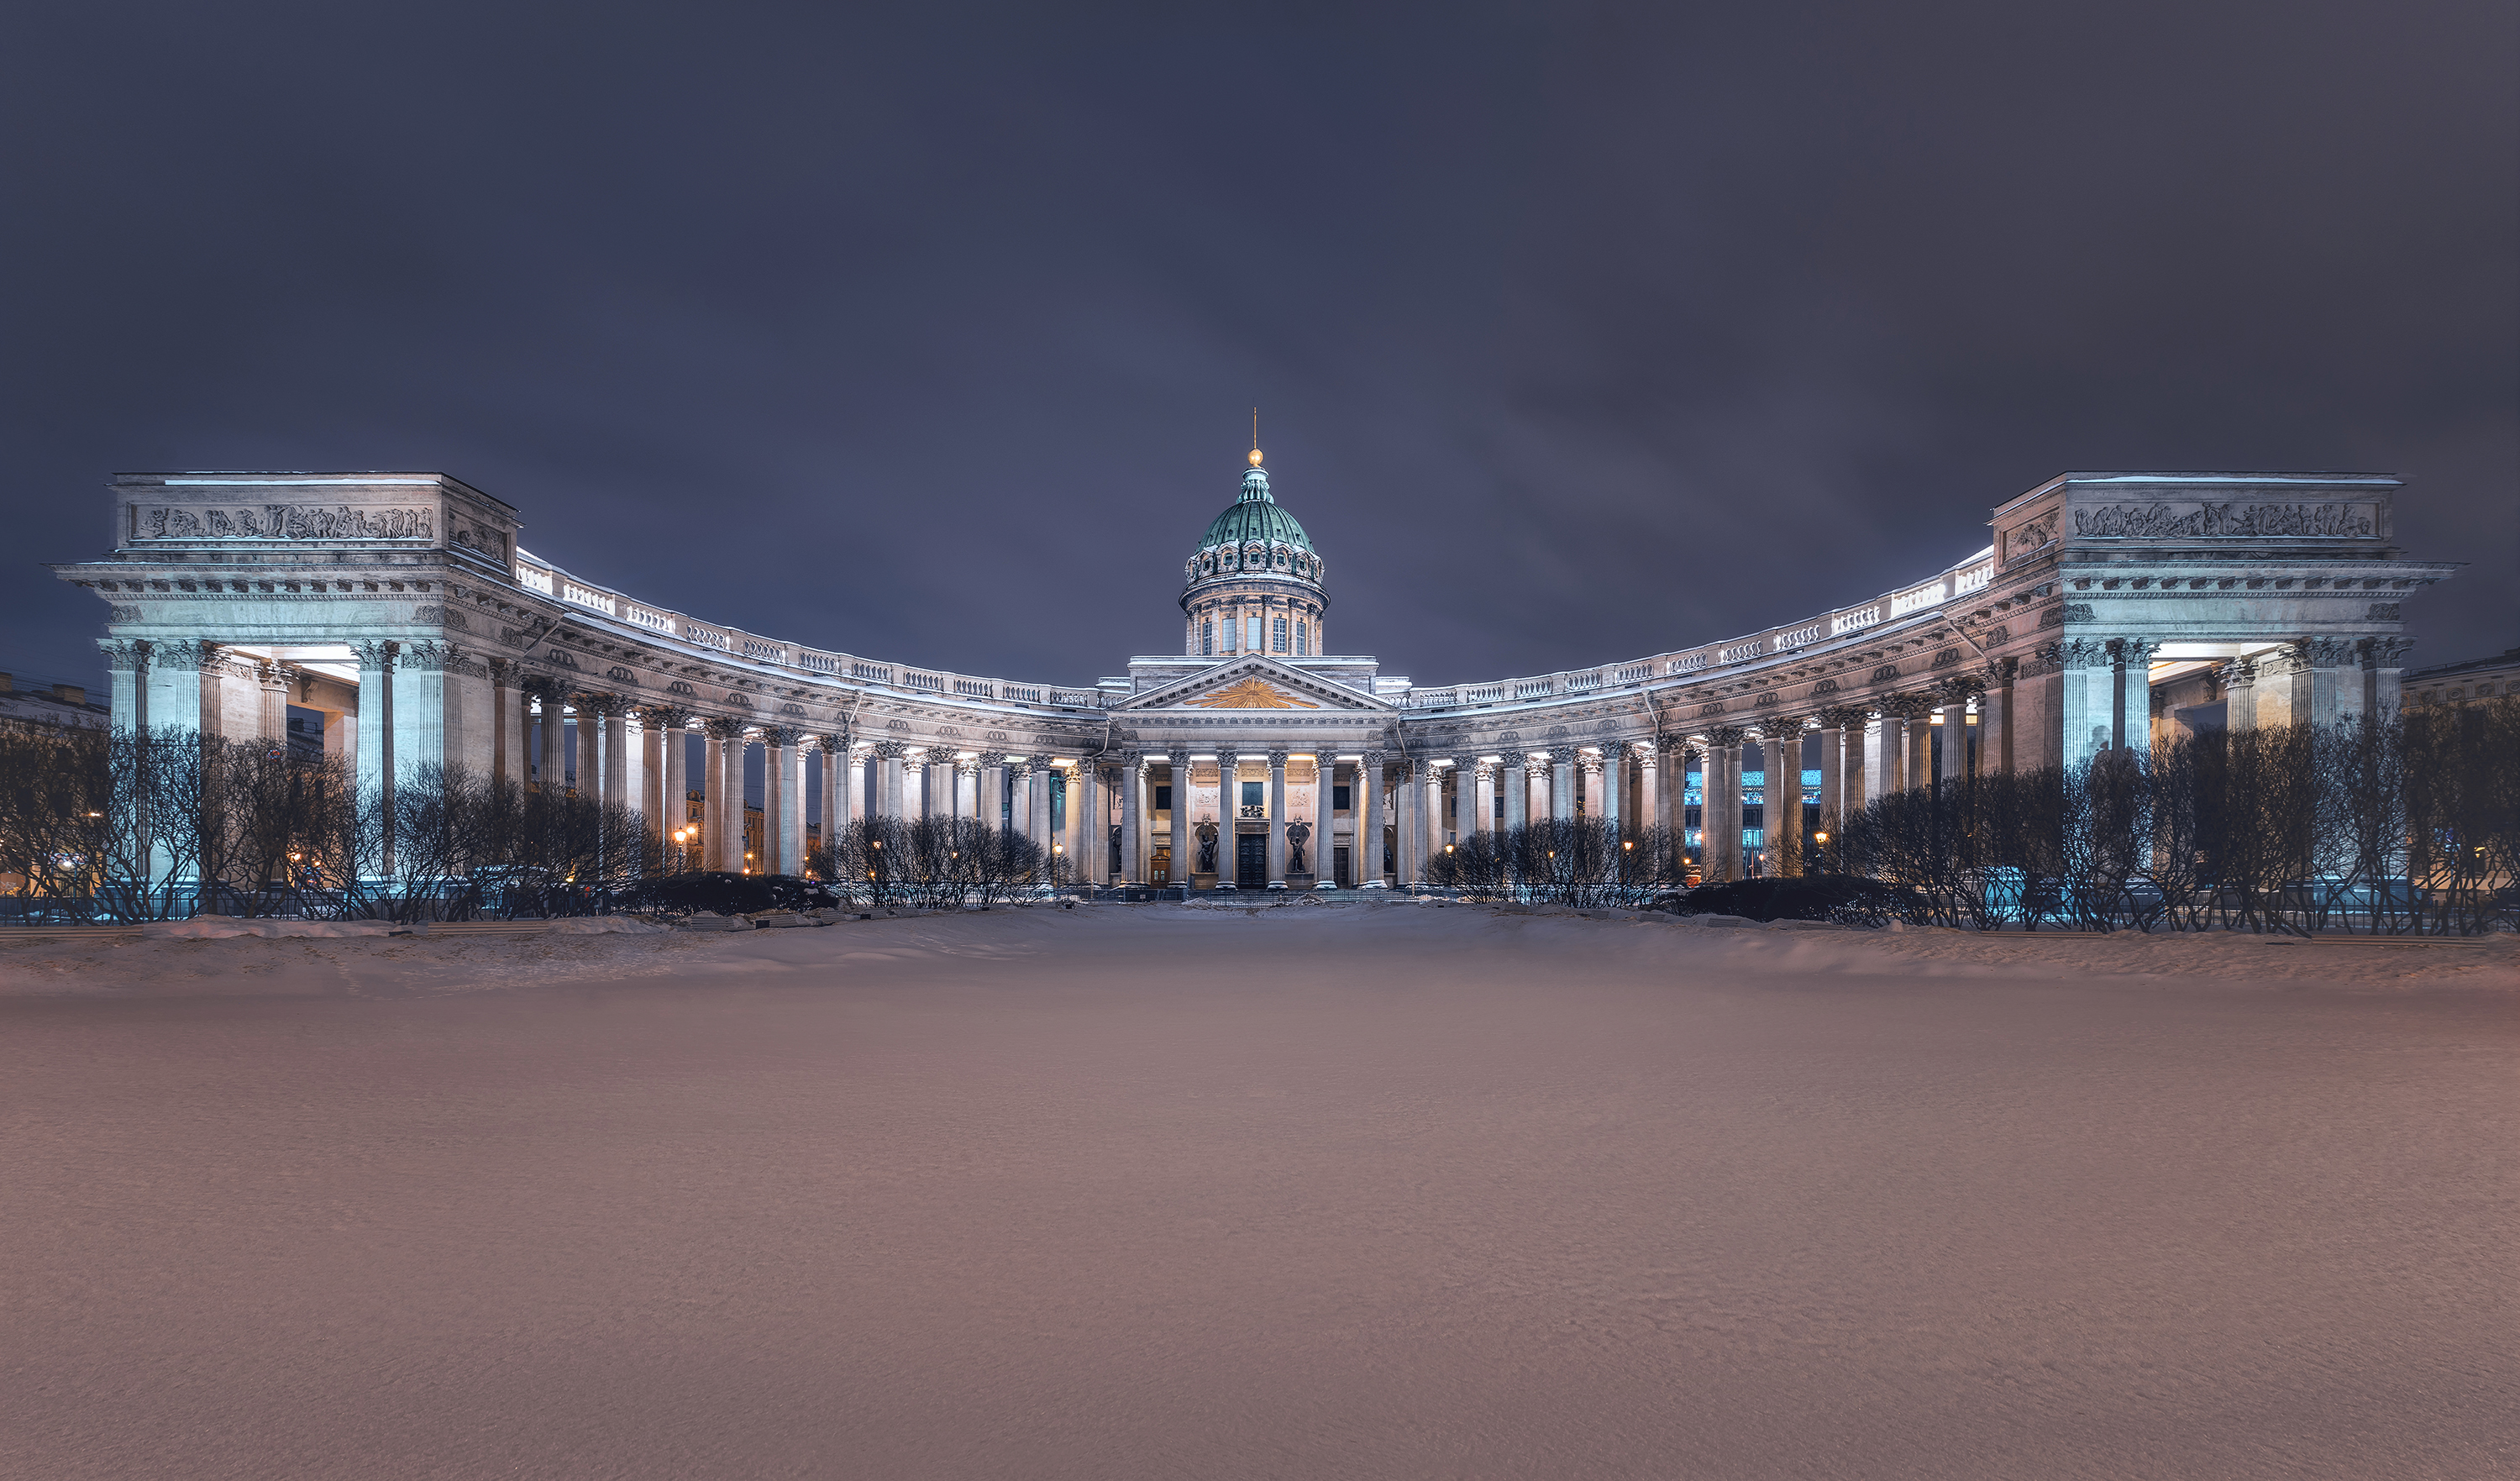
x,y
393,618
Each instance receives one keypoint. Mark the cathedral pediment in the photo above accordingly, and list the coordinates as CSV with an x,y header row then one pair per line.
x,y
1256,682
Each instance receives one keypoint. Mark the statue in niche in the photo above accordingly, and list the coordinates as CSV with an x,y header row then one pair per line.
x,y
1207,846
1297,835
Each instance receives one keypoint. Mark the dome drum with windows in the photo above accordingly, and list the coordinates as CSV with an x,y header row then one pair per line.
x,y
1255,583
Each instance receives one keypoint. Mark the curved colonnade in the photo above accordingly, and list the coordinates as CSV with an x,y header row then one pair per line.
x,y
400,608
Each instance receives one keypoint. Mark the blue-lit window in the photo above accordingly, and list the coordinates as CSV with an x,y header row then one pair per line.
x,y
1208,639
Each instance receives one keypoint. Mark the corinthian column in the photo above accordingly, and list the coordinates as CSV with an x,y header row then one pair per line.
x,y
1019,800
1649,804
834,775
1835,725
1782,812
1228,823
668,758
1562,783
1277,817
1994,718
1613,772
1185,849
1133,782
723,736
2239,695
272,679
782,802
888,787
1723,805
1954,694
1369,843
590,746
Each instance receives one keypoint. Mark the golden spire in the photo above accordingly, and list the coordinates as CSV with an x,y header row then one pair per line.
x,y
1255,437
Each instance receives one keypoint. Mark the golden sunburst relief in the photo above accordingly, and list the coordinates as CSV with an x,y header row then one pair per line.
x,y
1250,693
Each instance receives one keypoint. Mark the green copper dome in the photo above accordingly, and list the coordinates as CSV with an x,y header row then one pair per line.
x,y
1255,516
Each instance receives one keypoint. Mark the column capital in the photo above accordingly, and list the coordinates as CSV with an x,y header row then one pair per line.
x,y
2389,652
124,655
2084,653
606,705
1726,735
2330,653
992,758
832,743
1371,759
1843,717
721,727
1039,762
2133,650
788,736
1562,755
2237,673
664,717
373,652
891,751
1277,760
1961,689
1999,672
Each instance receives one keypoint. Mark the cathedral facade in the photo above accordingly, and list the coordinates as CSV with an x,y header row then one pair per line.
x,y
397,614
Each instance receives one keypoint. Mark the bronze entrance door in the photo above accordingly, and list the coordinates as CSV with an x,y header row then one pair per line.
x,y
1251,860
1164,872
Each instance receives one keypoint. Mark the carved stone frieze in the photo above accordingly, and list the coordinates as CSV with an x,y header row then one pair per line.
x,y
285,521
2343,520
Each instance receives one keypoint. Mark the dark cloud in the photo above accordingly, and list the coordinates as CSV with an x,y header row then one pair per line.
x,y
1578,333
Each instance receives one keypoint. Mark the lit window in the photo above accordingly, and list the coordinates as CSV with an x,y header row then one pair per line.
x,y
1278,634
1303,638
1208,639
1251,634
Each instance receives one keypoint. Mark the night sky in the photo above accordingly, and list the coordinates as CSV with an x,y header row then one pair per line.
x,y
1578,334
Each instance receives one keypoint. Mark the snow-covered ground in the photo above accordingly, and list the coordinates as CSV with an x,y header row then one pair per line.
x,y
1296,1192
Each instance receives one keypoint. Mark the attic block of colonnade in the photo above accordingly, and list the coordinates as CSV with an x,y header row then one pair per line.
x,y
394,621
